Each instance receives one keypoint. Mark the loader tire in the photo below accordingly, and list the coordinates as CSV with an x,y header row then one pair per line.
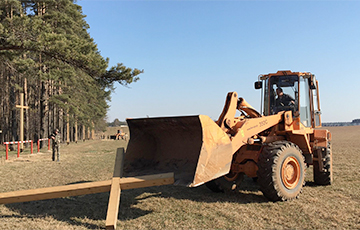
x,y
281,173
324,177
225,183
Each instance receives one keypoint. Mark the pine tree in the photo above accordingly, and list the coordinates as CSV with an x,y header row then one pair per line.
x,y
47,53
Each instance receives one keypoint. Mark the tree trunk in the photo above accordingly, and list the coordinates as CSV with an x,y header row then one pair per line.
x,y
76,131
67,128
83,133
44,110
13,123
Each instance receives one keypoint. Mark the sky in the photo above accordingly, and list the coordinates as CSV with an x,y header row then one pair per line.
x,y
194,52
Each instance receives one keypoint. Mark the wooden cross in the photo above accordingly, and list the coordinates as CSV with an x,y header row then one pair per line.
x,y
22,107
114,186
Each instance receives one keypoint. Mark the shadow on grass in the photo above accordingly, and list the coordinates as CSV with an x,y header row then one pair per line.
x,y
78,210
247,193
313,184
72,210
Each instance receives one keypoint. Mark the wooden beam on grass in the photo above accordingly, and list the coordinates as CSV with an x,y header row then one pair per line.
x,y
118,184
114,198
114,186
146,181
84,188
55,192
113,205
119,163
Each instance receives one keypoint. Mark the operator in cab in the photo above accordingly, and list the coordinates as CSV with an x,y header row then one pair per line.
x,y
283,99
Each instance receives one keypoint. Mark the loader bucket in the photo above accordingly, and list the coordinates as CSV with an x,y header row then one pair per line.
x,y
193,147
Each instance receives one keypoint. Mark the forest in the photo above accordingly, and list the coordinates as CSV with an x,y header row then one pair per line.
x,y
48,56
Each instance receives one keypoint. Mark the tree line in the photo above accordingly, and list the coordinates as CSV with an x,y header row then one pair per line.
x,y
47,54
116,123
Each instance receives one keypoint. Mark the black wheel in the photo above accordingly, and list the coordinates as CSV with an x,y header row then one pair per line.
x,y
227,183
281,173
324,177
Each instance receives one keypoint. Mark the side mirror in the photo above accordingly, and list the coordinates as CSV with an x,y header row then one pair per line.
x,y
312,82
258,84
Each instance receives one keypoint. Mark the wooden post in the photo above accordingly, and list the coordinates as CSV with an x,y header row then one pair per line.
x,y
22,107
26,118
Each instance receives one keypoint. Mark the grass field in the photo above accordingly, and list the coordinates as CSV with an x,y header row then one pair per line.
x,y
168,207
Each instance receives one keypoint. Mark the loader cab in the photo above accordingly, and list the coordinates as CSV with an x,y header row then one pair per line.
x,y
299,95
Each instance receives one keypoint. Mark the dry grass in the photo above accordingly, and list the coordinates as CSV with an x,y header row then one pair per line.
x,y
169,207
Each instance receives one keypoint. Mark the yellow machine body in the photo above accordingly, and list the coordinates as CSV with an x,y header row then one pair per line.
x,y
199,150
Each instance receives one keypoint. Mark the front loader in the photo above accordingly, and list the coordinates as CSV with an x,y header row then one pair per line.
x,y
274,147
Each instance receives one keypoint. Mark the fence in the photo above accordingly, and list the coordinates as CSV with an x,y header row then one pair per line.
x,y
38,143
18,146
